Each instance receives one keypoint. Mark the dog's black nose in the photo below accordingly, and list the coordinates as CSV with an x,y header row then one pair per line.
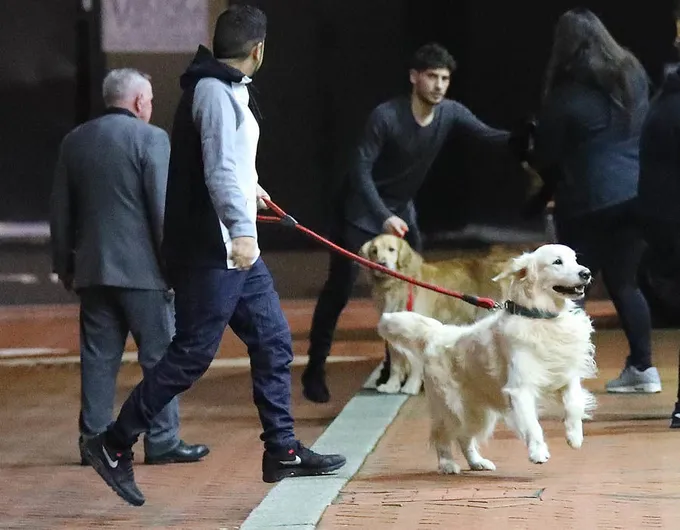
x,y
585,275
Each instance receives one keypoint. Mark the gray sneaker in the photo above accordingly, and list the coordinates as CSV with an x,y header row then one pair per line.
x,y
633,381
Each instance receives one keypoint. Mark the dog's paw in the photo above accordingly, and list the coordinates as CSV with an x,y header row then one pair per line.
x,y
412,388
390,387
482,465
575,438
539,453
448,467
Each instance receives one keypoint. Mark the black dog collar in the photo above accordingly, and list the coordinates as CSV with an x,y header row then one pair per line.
x,y
516,309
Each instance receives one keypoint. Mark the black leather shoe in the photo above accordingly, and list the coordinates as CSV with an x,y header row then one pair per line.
x,y
183,453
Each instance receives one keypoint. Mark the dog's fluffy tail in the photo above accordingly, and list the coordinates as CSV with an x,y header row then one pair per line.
x,y
406,330
591,404
552,407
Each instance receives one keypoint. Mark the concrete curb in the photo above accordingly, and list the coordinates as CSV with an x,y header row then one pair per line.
x,y
299,503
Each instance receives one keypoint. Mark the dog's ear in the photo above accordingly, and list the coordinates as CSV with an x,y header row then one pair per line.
x,y
365,249
405,257
518,268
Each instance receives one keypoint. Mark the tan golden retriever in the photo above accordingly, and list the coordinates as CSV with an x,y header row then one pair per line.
x,y
470,275
533,352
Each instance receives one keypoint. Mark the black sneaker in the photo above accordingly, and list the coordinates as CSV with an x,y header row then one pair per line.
x,y
115,467
675,418
314,385
298,462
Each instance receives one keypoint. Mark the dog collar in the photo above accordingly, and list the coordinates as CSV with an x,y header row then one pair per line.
x,y
516,309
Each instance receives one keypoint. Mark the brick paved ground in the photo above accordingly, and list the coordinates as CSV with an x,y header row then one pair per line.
x,y
624,477
41,485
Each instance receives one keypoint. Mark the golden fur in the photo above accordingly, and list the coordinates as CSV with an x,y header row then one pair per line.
x,y
506,365
470,275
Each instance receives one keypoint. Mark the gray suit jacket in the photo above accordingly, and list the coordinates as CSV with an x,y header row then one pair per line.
x,y
108,201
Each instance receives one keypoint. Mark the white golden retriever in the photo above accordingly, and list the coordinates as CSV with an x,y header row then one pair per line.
x,y
532,353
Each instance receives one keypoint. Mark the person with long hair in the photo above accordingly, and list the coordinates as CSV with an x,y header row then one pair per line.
x,y
586,147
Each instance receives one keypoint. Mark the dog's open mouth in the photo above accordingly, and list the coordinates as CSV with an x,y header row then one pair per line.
x,y
572,290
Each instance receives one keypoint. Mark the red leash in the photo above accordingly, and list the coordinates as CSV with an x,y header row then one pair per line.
x,y
286,220
409,300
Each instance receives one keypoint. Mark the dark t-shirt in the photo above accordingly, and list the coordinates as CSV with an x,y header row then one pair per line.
x,y
395,154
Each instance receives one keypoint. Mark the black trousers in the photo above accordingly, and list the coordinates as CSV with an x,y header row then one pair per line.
x,y
663,241
336,292
610,241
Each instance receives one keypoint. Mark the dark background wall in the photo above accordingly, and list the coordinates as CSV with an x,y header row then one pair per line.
x,y
328,63
44,52
502,48
51,68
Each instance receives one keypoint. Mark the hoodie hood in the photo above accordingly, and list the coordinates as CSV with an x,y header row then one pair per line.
x,y
204,65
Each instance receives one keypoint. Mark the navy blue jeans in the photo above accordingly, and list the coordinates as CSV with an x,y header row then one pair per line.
x,y
206,301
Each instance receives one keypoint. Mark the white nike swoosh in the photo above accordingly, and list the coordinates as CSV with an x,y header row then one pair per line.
x,y
677,415
295,462
112,463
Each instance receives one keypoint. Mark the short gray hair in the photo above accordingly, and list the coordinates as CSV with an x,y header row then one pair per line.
x,y
121,84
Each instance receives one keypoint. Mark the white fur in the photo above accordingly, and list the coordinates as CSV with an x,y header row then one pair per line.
x,y
506,366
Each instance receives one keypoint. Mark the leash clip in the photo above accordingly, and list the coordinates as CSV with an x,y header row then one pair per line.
x,y
288,221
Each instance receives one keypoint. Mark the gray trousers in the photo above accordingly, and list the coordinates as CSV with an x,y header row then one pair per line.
x,y
107,315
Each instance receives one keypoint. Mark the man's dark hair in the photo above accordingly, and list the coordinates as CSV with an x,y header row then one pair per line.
x,y
432,56
237,30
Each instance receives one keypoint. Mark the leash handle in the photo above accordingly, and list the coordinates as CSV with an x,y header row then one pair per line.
x,y
286,220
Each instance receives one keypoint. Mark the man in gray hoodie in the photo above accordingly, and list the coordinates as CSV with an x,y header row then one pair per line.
x,y
214,264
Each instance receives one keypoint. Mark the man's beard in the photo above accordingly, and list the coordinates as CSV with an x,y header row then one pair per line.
x,y
427,101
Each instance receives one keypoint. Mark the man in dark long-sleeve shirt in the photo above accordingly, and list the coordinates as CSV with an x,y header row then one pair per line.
x,y
401,140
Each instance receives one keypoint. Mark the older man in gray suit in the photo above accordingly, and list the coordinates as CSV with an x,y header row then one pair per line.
x,y
107,211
